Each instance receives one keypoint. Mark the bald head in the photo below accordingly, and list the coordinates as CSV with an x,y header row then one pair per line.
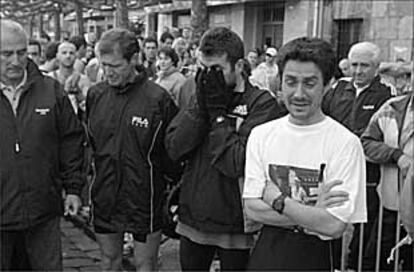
x,y
13,52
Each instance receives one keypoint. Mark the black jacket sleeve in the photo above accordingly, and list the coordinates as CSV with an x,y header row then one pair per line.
x,y
228,145
71,146
172,170
185,132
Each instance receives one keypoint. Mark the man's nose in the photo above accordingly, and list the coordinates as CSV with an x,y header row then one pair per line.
x,y
299,90
15,59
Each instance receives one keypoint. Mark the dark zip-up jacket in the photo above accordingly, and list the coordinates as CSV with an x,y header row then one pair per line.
x,y
41,151
127,128
210,197
353,112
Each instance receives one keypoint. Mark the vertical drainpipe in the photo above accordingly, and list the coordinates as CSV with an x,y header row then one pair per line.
x,y
315,18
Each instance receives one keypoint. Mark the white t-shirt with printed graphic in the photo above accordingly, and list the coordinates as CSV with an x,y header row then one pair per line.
x,y
291,156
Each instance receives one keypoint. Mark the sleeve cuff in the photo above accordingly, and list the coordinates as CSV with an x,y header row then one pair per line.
x,y
396,155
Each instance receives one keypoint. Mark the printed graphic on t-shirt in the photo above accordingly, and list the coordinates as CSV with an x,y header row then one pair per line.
x,y
300,184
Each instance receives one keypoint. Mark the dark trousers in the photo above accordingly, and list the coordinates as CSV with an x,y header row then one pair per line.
x,y
369,227
197,257
280,249
41,244
388,236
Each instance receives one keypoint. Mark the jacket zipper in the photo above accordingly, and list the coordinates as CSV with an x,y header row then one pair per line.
x,y
152,176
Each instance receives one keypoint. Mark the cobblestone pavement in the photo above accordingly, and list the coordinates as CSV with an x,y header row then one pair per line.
x,y
81,253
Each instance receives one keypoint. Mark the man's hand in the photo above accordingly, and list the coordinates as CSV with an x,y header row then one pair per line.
x,y
72,205
329,198
72,83
216,93
405,163
270,192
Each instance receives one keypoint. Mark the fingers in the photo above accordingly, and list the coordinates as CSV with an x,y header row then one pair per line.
x,y
329,185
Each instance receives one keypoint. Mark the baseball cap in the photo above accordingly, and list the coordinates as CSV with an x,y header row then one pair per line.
x,y
271,51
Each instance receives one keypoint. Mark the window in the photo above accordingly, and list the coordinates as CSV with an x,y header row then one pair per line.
x,y
347,32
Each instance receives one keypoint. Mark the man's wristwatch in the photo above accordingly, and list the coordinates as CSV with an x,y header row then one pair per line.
x,y
278,203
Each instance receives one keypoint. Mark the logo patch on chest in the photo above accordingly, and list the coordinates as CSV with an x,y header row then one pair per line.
x,y
368,107
42,111
138,121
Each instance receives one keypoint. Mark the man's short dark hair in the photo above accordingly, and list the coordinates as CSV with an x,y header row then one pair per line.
x,y
121,39
169,52
221,40
78,41
150,40
165,36
51,50
37,43
313,50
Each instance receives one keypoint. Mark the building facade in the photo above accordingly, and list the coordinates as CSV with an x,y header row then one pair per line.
x,y
388,23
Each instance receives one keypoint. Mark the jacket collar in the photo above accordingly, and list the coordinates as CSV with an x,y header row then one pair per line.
x,y
372,87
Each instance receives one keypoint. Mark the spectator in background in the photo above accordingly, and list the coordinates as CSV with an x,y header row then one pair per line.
x,y
352,103
266,74
253,58
187,34
166,39
34,51
168,76
389,141
180,47
344,67
150,57
76,84
50,63
80,43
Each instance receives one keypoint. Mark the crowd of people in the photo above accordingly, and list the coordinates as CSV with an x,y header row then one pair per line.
x,y
272,155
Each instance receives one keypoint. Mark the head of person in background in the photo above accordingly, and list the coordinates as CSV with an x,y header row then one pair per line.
x,y
80,44
187,33
193,48
253,58
66,55
34,51
270,56
90,52
223,50
13,53
165,29
180,46
150,49
51,62
364,59
117,49
344,67
167,59
166,39
306,75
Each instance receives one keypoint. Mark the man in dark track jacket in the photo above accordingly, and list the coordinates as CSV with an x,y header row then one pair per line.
x,y
211,135
352,103
41,151
127,116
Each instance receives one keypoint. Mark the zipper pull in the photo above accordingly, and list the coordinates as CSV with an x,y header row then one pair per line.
x,y
17,147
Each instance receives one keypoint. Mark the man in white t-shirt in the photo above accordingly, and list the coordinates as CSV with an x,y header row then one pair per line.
x,y
308,156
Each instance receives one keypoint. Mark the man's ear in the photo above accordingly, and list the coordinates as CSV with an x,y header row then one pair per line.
x,y
239,66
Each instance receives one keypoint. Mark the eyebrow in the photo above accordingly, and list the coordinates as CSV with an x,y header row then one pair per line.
x,y
305,78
